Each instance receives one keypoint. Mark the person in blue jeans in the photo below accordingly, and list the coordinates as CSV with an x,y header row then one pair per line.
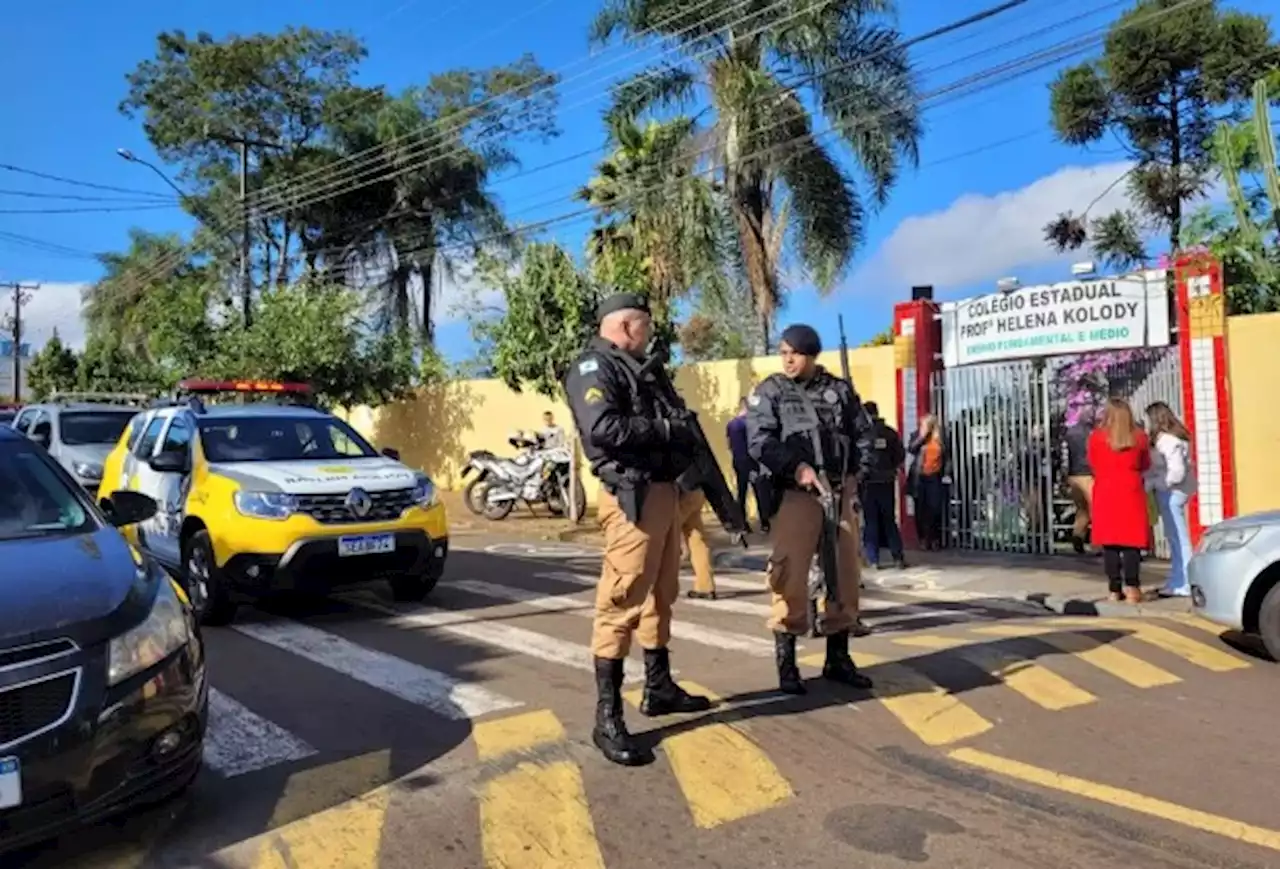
x,y
1172,480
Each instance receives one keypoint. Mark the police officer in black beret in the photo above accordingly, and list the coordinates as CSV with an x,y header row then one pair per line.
x,y
638,453
800,423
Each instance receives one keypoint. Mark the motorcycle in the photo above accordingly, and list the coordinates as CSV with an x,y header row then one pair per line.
x,y
536,475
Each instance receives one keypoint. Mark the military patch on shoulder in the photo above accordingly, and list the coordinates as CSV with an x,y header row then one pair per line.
x,y
593,395
753,400
587,366
830,397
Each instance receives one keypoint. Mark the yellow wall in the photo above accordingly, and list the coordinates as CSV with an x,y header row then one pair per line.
x,y
1252,354
436,431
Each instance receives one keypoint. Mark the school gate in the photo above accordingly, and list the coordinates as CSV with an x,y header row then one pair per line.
x,y
1008,373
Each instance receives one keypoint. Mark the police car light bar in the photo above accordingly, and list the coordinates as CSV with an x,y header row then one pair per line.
x,y
197,385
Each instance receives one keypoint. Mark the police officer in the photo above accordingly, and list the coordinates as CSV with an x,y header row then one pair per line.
x,y
786,412
638,453
887,456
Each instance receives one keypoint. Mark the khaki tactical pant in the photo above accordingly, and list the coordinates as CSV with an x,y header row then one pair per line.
x,y
1081,489
695,540
640,579
795,531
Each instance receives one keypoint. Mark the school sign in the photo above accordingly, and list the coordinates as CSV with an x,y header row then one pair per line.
x,y
1057,320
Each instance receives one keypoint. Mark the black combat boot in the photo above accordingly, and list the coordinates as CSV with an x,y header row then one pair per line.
x,y
839,667
662,696
784,653
610,734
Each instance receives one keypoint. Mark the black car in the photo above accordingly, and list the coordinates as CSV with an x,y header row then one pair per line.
x,y
103,696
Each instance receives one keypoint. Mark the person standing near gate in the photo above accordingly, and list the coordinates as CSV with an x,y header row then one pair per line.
x,y
1120,455
746,470
638,454
878,491
802,423
1080,476
925,481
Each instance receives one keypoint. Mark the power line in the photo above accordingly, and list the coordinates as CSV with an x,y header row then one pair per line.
x,y
46,246
32,194
62,179
88,210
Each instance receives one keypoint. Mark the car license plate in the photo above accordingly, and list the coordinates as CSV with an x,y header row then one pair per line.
x,y
366,544
10,783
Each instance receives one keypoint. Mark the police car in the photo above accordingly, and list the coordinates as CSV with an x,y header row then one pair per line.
x,y
274,495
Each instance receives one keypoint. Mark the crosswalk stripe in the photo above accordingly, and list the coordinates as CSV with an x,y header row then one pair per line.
x,y
922,706
724,775
509,638
240,741
757,647
1104,656
1028,678
432,689
1198,653
347,835
535,815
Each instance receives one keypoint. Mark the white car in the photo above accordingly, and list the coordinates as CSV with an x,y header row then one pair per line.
x,y
1235,577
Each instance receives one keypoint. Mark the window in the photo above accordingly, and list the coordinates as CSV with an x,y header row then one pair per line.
x,y
34,500
147,445
23,422
92,427
267,439
135,431
178,438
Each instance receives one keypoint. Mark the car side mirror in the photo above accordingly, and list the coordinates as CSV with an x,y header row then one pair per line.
x,y
171,462
391,453
130,508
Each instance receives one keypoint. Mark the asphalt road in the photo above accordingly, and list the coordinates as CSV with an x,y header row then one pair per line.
x,y
354,733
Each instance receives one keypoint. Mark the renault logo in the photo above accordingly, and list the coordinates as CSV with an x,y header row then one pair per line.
x,y
359,503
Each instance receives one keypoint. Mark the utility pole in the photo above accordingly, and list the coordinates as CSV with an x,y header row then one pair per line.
x,y
21,295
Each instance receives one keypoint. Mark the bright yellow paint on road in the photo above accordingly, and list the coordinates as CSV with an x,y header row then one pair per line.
x,y
1198,653
535,816
924,707
1120,798
1100,654
343,835
723,774
517,733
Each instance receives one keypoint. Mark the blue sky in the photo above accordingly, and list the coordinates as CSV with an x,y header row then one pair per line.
x,y
990,176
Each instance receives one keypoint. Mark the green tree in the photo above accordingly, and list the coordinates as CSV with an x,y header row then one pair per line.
x,y
786,188
880,339
1166,76
55,367
108,366
549,317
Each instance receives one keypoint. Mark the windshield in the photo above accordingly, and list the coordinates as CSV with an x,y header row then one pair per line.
x,y
34,500
275,439
93,427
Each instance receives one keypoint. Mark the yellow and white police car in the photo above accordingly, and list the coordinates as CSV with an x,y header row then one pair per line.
x,y
269,496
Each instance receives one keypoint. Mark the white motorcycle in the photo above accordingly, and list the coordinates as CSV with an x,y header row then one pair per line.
x,y
537,475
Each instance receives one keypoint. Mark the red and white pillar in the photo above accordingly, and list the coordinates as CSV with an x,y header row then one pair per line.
x,y
917,347
1206,404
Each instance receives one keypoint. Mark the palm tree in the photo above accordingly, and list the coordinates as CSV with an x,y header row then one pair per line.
x,y
753,68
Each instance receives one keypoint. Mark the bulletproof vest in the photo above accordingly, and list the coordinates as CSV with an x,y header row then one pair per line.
x,y
644,400
822,415
883,466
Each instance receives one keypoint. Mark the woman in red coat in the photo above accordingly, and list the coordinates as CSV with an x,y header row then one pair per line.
x,y
1119,453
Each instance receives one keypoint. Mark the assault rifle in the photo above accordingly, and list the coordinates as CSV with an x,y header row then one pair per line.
x,y
705,469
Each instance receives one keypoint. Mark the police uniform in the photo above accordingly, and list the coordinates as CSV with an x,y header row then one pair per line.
x,y
887,455
638,455
782,417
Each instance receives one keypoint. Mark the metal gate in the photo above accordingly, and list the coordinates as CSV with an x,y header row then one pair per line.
x,y
1005,424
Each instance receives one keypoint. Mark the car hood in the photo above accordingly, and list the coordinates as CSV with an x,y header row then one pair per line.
x,y
92,454
322,477
88,587
1249,520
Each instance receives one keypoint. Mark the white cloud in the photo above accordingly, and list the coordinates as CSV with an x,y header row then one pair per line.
x,y
980,238
53,306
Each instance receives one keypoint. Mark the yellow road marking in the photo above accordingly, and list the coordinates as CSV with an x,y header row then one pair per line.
x,y
1038,684
724,775
517,733
536,815
1135,802
1197,622
1196,652
345,835
1102,655
924,707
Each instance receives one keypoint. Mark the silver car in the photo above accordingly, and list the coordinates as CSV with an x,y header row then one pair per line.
x,y
78,433
1235,577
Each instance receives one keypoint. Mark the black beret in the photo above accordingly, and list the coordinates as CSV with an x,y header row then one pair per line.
x,y
622,302
802,339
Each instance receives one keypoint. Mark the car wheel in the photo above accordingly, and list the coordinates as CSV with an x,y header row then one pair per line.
x,y
474,495
1269,622
205,583
413,587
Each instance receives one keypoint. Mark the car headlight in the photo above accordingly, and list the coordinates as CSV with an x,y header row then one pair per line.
x,y
424,491
165,631
87,471
265,505
1226,538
